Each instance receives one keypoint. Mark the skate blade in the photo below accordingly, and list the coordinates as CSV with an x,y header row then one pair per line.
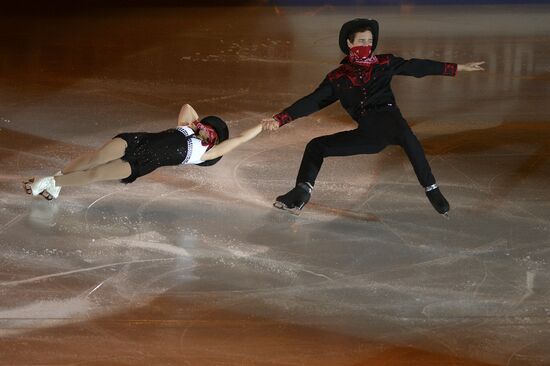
x,y
27,185
281,206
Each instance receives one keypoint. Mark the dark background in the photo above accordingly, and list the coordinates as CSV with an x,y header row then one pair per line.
x,y
29,4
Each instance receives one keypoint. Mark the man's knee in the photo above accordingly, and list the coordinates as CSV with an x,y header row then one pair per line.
x,y
316,146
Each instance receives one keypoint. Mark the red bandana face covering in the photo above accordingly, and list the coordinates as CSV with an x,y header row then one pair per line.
x,y
212,135
362,55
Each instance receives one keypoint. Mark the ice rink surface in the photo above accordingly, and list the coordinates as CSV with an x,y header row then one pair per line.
x,y
192,265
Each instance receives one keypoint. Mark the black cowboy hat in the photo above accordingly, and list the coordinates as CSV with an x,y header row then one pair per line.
x,y
221,129
353,26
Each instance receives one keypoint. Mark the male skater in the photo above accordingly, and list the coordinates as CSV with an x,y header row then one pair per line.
x,y
362,84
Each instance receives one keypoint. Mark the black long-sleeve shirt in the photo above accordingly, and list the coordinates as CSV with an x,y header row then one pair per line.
x,y
361,89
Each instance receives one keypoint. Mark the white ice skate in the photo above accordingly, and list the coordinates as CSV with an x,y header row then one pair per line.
x,y
43,186
44,193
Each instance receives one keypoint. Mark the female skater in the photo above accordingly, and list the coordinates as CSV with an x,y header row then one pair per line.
x,y
129,156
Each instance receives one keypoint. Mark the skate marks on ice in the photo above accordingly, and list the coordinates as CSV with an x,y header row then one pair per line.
x,y
11,222
343,213
291,280
123,277
524,142
101,285
78,271
43,314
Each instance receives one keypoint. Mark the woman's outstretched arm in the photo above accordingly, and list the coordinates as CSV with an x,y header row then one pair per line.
x,y
228,145
187,115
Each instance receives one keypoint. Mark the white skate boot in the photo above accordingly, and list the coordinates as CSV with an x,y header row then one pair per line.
x,y
46,185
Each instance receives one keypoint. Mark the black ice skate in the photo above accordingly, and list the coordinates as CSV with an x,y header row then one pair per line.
x,y
437,200
294,200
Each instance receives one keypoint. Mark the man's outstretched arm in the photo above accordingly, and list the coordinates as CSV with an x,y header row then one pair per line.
x,y
420,67
322,97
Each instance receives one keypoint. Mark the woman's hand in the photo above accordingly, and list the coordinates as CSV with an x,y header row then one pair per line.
x,y
270,124
471,66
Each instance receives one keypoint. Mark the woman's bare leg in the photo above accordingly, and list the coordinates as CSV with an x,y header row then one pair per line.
x,y
111,150
113,170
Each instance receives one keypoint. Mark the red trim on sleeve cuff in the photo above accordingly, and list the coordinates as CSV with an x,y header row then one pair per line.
x,y
450,69
283,118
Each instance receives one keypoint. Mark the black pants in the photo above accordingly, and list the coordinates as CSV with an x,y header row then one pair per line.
x,y
377,129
